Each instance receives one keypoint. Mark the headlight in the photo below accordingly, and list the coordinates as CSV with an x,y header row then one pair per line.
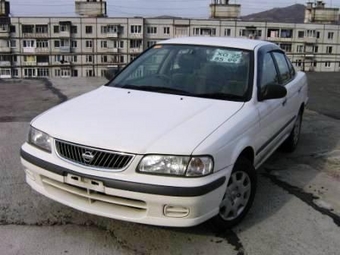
x,y
39,139
176,165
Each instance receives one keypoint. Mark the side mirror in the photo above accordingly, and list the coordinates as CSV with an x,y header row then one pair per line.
x,y
111,73
272,92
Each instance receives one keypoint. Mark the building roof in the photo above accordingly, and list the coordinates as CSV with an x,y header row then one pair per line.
x,y
247,44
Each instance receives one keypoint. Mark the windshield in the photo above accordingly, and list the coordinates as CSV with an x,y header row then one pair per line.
x,y
199,71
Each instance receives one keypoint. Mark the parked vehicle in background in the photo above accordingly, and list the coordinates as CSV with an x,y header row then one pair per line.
x,y
175,138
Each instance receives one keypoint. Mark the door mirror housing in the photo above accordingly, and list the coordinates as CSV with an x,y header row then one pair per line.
x,y
111,73
272,92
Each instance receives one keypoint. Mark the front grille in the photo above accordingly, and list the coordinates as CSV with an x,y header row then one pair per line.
x,y
92,157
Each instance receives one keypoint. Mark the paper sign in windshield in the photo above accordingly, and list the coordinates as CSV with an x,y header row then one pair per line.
x,y
226,56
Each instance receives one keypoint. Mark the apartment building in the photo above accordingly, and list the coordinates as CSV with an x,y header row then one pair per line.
x,y
87,46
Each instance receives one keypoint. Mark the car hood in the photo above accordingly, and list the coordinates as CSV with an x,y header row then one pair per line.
x,y
137,122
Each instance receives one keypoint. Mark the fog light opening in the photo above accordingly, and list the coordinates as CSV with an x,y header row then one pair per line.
x,y
174,211
30,174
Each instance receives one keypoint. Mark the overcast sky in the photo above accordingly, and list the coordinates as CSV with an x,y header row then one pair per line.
x,y
122,8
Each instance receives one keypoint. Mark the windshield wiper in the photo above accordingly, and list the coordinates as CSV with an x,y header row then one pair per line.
x,y
158,89
222,96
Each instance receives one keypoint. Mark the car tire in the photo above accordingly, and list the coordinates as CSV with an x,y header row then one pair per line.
x,y
290,144
239,196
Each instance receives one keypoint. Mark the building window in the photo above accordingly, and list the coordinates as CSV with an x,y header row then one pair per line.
x,y
74,29
298,63
330,35
136,29
56,29
181,31
204,31
287,47
151,43
310,33
104,59
5,58
56,43
75,59
103,72
301,34
12,43
121,44
88,29
317,34
28,43
15,72
89,73
74,44
166,30
329,49
42,43
286,33
27,29
327,64
103,44
29,72
43,72
135,43
316,49
75,73
41,29
151,30
89,59
300,48
12,29
63,28
88,44
315,63
227,32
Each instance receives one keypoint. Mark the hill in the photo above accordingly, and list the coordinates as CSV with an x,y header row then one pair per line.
x,y
291,14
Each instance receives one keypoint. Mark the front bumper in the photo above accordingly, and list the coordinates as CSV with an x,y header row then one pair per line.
x,y
161,205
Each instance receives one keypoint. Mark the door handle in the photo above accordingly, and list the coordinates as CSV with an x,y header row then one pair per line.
x,y
284,102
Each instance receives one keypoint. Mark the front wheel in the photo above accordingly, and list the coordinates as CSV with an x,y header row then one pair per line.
x,y
238,197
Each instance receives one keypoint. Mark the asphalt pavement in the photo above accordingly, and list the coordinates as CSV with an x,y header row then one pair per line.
x,y
296,210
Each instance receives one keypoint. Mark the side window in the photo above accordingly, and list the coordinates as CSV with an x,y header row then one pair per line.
x,y
269,73
283,66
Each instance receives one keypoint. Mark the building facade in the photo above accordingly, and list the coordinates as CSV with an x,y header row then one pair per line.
x,y
88,46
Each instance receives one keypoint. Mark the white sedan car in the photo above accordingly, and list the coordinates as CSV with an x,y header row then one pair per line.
x,y
175,138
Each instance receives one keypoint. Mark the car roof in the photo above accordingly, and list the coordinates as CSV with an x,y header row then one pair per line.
x,y
246,44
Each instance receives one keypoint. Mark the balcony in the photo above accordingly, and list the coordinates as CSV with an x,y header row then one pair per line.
x,y
65,49
310,40
65,34
136,50
112,35
5,49
29,63
136,36
29,35
4,34
28,50
5,63
42,50
42,63
113,50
